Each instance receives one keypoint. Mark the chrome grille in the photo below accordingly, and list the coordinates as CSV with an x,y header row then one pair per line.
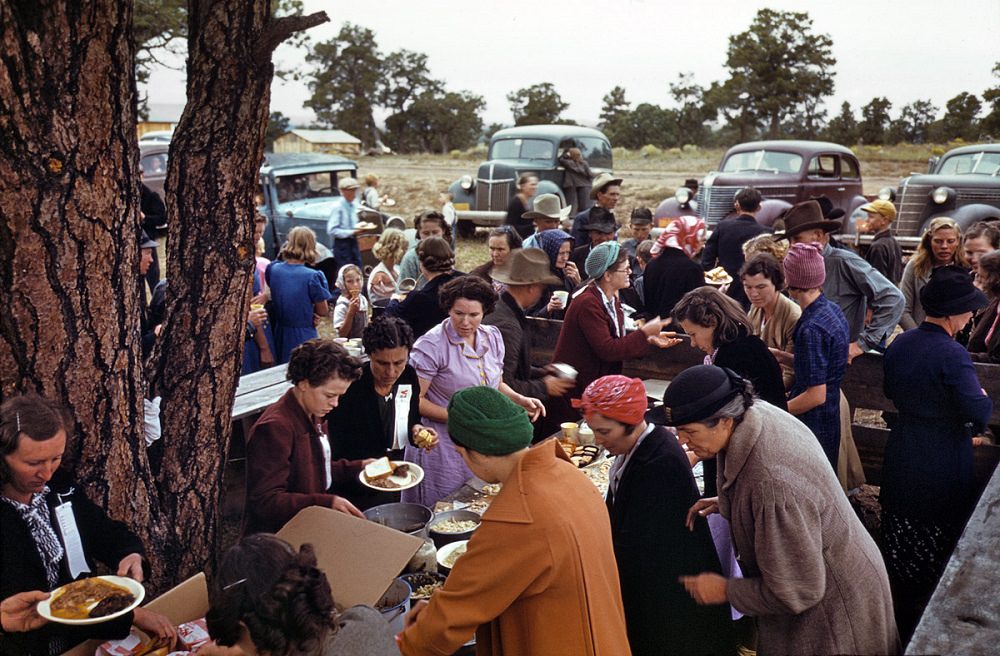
x,y
911,205
716,202
493,195
969,196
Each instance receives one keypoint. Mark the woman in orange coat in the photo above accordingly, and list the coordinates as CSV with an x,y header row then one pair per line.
x,y
539,575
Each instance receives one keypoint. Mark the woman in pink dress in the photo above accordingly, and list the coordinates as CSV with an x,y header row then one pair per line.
x,y
458,353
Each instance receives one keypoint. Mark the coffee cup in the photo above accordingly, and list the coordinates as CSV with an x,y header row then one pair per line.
x,y
585,435
564,370
562,297
569,429
407,285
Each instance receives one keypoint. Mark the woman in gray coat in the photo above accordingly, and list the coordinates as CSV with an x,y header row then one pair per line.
x,y
813,577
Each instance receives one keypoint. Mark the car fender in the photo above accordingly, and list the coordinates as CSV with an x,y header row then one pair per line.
x,y
550,187
966,216
770,210
853,215
461,196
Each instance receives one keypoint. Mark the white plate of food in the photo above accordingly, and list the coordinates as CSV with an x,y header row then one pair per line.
x,y
76,603
391,476
366,225
717,277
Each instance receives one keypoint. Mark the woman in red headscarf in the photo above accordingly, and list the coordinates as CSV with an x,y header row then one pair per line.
x,y
673,271
650,491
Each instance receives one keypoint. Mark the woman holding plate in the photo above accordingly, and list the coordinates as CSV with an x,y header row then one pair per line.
x,y
41,514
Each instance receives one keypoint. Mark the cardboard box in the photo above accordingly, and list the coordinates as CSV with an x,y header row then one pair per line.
x,y
360,559
183,603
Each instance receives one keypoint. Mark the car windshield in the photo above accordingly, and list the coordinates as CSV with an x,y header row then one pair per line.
x,y
537,149
981,163
304,185
597,152
770,161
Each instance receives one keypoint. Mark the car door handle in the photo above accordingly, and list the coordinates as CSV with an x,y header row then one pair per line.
x,y
841,188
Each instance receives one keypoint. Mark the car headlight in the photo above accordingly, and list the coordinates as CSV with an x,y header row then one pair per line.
x,y
887,193
682,195
466,182
942,195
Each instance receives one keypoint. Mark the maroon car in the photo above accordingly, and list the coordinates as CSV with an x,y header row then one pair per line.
x,y
785,173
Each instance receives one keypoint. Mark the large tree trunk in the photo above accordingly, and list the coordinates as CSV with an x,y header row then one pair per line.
x,y
69,281
216,154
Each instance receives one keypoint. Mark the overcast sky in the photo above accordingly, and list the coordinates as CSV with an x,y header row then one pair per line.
x,y
903,50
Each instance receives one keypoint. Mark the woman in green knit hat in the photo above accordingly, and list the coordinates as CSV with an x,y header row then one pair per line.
x,y
539,575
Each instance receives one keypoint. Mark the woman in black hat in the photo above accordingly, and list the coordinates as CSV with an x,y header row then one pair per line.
x,y
812,575
927,477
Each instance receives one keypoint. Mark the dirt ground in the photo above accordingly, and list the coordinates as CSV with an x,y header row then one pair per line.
x,y
414,182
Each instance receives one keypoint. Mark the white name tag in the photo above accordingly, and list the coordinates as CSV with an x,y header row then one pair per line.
x,y
404,395
71,539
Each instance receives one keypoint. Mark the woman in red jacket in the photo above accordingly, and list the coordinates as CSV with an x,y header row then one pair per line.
x,y
593,337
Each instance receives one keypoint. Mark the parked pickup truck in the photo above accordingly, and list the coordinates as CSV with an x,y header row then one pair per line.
x,y
482,199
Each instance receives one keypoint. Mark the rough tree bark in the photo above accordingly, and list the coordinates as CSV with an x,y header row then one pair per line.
x,y
69,226
216,154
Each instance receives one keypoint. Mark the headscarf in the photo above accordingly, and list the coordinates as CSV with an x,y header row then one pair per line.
x,y
601,258
616,397
551,241
684,232
482,419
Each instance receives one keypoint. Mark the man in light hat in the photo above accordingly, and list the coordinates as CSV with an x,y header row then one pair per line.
x,y
851,282
527,276
342,225
548,214
605,191
539,576
884,253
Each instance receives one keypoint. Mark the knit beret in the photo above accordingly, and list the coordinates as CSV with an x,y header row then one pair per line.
x,y
804,268
600,258
484,420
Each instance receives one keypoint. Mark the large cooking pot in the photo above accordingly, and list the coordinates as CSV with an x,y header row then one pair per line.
x,y
411,518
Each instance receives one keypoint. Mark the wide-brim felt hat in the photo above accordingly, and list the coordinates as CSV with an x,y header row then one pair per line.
x,y
548,206
950,292
601,181
807,215
696,394
826,205
526,266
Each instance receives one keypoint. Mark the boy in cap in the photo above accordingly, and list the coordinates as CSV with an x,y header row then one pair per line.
x,y
641,224
539,576
342,225
884,253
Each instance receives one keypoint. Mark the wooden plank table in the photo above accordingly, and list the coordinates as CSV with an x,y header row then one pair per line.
x,y
963,616
258,390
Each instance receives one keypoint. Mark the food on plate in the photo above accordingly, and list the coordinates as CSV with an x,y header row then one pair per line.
x,y
450,559
425,439
455,526
423,584
89,598
400,469
492,489
718,276
378,470
584,455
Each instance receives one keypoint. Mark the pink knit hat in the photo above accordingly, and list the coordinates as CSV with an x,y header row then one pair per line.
x,y
804,268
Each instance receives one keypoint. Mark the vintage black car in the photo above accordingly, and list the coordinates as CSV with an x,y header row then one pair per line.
x,y
785,172
482,200
963,184
153,162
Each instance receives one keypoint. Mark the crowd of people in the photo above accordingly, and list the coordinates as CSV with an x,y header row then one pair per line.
x,y
769,555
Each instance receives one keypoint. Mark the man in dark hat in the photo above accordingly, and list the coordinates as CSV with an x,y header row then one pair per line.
x,y
851,283
605,192
599,228
725,246
527,276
